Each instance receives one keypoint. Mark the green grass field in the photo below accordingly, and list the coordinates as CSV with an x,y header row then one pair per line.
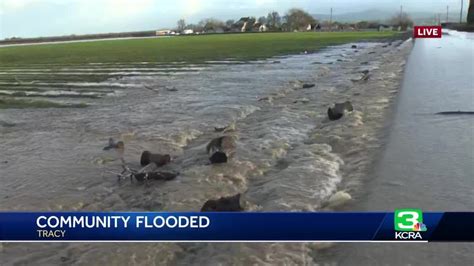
x,y
183,48
36,68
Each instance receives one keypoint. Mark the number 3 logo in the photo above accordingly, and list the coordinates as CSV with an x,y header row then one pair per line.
x,y
406,219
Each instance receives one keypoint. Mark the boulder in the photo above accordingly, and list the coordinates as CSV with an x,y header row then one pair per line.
x,y
219,129
354,46
159,159
302,100
365,77
220,149
223,204
337,112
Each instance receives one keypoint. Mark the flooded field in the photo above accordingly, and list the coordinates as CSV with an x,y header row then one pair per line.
x,y
289,157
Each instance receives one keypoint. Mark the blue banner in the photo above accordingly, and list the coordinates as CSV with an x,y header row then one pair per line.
x,y
401,225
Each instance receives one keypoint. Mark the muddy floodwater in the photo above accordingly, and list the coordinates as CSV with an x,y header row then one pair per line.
x,y
289,157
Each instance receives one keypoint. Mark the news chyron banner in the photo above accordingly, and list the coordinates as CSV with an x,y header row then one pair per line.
x,y
401,225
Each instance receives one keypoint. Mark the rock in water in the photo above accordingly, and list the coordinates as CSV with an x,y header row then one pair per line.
x,y
164,176
332,115
159,159
220,149
223,204
337,112
354,46
113,145
338,199
308,85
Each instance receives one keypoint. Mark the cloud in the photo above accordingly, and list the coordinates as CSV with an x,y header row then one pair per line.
x,y
8,6
126,8
260,3
11,5
191,7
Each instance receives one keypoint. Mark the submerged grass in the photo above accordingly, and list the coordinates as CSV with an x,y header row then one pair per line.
x,y
42,67
182,48
9,103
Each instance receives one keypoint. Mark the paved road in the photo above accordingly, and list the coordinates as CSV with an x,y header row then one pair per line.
x,y
429,159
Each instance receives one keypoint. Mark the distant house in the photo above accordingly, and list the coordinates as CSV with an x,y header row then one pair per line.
x,y
188,31
384,27
263,28
244,27
313,26
165,32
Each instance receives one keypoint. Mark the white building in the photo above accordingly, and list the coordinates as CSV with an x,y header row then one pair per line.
x,y
165,32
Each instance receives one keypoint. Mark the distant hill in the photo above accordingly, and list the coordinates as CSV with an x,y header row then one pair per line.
x,y
385,15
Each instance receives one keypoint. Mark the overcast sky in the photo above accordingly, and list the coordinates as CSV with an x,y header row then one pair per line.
x,y
33,18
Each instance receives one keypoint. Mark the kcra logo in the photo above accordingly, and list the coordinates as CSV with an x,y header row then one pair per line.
x,y
408,224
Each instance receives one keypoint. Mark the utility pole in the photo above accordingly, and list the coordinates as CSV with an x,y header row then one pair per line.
x,y
447,14
460,14
330,21
400,19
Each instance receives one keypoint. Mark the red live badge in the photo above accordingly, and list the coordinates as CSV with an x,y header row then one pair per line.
x,y
427,32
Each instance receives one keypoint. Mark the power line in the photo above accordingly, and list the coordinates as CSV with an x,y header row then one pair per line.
x,y
330,21
447,14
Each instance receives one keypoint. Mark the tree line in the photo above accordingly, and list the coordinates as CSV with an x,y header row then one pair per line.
x,y
294,19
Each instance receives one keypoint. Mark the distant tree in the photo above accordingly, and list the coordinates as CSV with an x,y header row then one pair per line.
x,y
274,20
211,25
181,25
362,25
262,20
402,20
229,23
470,12
373,24
298,19
194,27
251,21
248,22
